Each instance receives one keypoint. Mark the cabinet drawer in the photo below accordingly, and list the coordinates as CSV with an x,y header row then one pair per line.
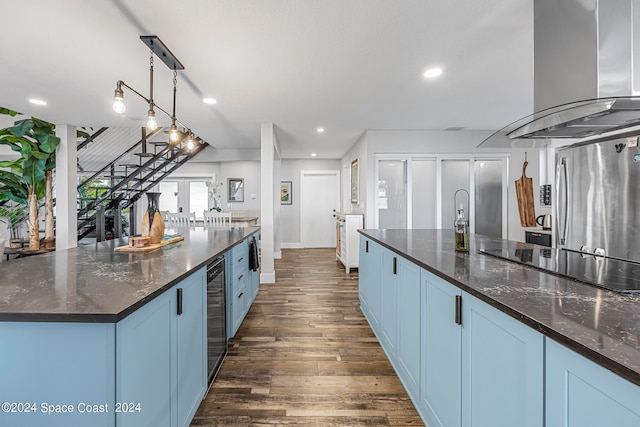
x,y
240,255
239,308
538,238
238,286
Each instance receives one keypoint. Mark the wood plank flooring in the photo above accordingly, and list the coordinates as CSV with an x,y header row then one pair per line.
x,y
306,356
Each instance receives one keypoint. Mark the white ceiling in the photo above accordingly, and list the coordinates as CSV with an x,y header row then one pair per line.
x,y
345,65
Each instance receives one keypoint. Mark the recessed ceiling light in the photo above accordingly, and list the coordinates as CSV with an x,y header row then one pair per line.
x,y
320,130
209,101
313,154
37,101
433,72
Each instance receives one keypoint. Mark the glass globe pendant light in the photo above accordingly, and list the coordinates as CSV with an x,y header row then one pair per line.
x,y
118,103
152,124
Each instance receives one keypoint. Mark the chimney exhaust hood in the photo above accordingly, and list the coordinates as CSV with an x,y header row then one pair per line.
x,y
583,75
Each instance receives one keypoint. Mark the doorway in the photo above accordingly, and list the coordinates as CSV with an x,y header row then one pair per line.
x,y
319,199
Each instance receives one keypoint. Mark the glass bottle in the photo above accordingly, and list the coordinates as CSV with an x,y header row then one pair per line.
x,y
461,227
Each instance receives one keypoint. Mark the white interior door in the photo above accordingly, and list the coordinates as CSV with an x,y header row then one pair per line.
x,y
319,197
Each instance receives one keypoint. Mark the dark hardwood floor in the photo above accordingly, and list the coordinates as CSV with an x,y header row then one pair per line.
x,y
306,356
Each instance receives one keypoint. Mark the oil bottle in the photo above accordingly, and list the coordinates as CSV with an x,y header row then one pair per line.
x,y
461,227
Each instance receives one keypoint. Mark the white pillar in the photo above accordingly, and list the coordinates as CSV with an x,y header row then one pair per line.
x,y
267,153
66,191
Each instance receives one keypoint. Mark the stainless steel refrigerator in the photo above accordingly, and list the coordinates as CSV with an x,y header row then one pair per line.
x,y
598,198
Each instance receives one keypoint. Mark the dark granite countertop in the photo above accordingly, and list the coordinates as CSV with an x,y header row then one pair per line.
x,y
602,325
92,283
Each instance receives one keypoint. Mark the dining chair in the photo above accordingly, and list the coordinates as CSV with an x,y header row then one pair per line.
x,y
181,219
217,219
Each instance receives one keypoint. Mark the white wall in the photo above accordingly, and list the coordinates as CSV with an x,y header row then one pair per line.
x,y
290,214
250,172
358,151
439,142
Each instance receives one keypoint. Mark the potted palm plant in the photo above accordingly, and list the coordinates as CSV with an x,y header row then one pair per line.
x,y
14,217
36,142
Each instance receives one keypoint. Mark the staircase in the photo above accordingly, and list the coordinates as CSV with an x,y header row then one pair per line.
x,y
115,187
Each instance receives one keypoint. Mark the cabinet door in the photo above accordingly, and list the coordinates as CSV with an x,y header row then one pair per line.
x,y
580,393
389,310
502,368
143,364
440,388
409,325
192,350
369,280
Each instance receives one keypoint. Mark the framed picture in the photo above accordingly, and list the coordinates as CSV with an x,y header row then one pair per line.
x,y
236,189
286,198
355,181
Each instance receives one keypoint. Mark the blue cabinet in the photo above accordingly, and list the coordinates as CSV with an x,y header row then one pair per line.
x,y
57,363
502,368
191,360
462,362
441,353
388,331
242,284
389,290
409,325
161,357
369,280
580,393
143,363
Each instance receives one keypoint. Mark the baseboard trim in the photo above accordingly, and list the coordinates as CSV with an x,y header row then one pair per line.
x,y
268,277
291,246
277,255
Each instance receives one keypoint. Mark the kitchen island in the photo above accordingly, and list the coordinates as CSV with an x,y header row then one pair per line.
x,y
90,336
480,341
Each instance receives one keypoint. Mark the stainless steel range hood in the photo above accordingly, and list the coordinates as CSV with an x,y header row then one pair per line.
x,y
583,74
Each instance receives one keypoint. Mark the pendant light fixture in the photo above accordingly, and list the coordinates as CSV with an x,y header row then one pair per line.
x,y
176,136
152,124
118,103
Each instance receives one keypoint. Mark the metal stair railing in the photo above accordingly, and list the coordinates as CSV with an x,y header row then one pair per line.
x,y
133,183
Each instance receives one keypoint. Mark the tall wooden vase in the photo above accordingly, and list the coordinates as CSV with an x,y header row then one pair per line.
x,y
152,222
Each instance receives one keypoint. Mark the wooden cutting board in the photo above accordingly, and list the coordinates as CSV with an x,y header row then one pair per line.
x,y
149,248
524,193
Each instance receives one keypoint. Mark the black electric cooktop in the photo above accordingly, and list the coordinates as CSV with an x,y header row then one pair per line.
x,y
608,273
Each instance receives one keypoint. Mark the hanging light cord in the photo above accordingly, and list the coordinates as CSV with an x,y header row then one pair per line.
x,y
175,83
151,104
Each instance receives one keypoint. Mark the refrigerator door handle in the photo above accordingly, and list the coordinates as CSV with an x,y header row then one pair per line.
x,y
563,208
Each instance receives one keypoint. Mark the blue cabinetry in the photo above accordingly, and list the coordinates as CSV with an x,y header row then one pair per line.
x,y
441,353
191,336
502,368
144,363
242,284
409,325
580,393
462,362
369,280
388,331
57,363
161,357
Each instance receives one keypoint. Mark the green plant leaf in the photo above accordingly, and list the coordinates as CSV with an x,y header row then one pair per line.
x,y
84,135
22,127
40,155
8,112
49,143
33,171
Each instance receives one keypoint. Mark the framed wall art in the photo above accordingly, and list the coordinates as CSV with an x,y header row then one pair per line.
x,y
355,181
236,189
286,198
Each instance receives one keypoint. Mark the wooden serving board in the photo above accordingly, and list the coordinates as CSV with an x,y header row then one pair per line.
x,y
148,248
524,193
